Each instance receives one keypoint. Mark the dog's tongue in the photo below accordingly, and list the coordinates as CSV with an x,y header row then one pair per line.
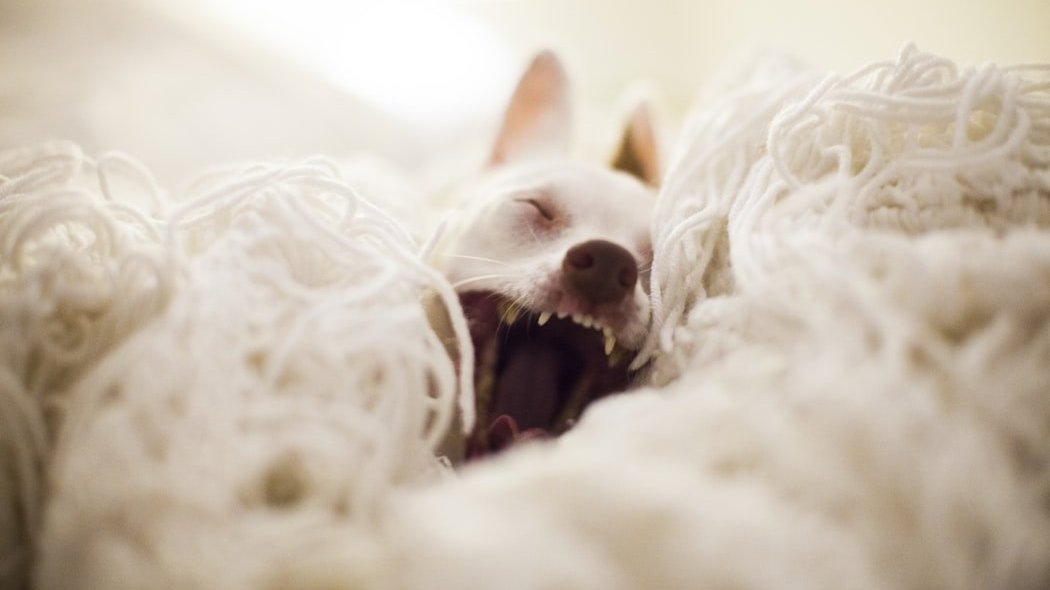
x,y
527,389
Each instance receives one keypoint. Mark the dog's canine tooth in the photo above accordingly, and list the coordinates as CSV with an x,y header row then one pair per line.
x,y
544,318
610,342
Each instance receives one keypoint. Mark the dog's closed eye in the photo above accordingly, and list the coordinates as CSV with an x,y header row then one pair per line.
x,y
544,209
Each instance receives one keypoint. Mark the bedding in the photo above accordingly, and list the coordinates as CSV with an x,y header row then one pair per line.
x,y
846,384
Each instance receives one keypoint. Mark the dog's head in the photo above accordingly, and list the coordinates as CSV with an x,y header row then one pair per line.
x,y
549,258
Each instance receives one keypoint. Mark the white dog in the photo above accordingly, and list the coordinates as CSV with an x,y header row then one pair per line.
x,y
546,257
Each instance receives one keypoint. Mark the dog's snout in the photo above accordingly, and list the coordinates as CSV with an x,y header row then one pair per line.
x,y
599,271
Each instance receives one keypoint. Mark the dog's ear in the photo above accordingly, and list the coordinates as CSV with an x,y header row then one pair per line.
x,y
637,153
538,118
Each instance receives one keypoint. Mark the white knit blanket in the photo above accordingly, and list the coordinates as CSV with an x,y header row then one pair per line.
x,y
848,384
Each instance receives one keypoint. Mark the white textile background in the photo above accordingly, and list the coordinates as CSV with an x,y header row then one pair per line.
x,y
850,379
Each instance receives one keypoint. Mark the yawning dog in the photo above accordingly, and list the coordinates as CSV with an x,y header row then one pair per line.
x,y
549,257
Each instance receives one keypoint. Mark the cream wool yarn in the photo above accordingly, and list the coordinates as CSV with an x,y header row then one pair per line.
x,y
259,344
849,388
66,297
912,145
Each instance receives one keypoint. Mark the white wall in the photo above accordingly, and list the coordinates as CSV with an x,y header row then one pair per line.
x,y
184,84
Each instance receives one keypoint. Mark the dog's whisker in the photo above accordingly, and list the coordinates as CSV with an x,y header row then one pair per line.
x,y
459,284
518,302
534,236
478,258
506,318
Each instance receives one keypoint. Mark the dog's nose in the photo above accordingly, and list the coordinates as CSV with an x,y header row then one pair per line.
x,y
599,271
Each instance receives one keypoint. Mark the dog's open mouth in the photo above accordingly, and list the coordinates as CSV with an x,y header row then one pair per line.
x,y
536,371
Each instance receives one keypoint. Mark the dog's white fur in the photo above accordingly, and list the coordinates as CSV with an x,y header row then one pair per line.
x,y
502,240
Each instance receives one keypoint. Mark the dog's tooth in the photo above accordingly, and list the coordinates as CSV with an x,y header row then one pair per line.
x,y
610,342
576,318
616,356
561,315
544,318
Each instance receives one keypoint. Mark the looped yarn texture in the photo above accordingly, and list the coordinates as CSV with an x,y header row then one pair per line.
x,y
851,292
911,146
236,350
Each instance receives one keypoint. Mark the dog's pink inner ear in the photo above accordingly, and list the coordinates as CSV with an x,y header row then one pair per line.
x,y
538,118
637,154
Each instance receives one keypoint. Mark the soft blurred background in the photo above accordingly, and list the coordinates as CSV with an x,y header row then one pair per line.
x,y
184,84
